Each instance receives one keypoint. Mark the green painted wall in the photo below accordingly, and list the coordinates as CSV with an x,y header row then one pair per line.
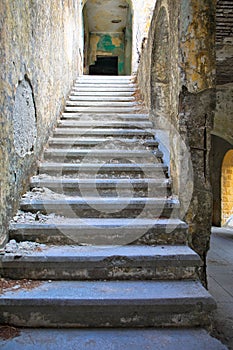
x,y
108,44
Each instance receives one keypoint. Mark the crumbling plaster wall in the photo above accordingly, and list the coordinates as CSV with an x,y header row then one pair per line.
x,y
187,94
39,61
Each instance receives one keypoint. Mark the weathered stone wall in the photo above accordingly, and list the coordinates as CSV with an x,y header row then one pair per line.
x,y
223,119
39,60
219,148
179,64
227,188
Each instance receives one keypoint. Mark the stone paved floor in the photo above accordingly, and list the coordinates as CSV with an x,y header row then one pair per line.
x,y
220,280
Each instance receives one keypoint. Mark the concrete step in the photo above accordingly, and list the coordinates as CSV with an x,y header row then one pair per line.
x,y
56,230
107,103
105,124
109,84
91,98
94,141
103,109
100,263
101,81
105,207
93,93
103,88
99,98
108,304
123,170
116,339
66,155
117,132
85,79
106,187
114,117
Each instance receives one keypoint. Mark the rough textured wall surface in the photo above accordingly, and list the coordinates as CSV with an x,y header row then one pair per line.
x,y
223,119
219,148
227,188
224,71
39,60
181,100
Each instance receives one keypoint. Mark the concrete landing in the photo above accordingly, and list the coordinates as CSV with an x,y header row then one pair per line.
x,y
71,339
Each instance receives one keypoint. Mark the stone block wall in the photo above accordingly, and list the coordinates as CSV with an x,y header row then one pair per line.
x,y
227,188
39,61
222,139
176,77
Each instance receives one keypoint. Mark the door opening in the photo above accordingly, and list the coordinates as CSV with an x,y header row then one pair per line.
x,y
104,65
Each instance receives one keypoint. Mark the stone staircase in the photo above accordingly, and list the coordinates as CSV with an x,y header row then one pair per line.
x,y
99,231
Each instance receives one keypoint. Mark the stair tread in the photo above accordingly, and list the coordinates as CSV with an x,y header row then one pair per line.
x,y
111,181
111,153
84,293
103,223
159,254
103,109
73,98
127,339
104,103
102,93
135,140
108,84
106,117
91,123
114,166
100,131
109,201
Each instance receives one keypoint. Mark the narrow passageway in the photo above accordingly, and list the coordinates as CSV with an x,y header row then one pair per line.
x,y
116,116
220,281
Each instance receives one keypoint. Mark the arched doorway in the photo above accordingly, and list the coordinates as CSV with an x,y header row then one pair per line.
x,y
227,187
107,37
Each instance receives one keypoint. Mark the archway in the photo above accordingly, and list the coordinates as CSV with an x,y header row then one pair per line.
x,y
227,187
107,37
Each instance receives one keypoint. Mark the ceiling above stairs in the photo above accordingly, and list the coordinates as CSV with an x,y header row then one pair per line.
x,y
107,15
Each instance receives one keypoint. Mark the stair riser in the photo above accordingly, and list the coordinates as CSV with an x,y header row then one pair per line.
x,y
77,133
105,87
115,82
102,173
138,117
54,234
114,94
74,269
108,191
105,97
104,110
88,143
76,157
105,124
61,314
117,104
104,211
